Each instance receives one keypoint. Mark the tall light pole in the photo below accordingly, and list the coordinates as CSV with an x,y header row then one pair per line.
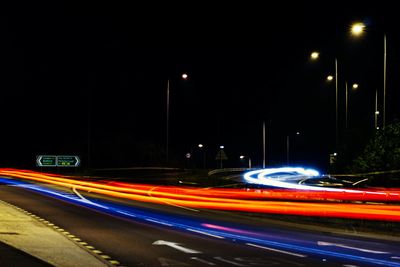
x,y
384,80
354,87
315,56
358,29
263,144
184,77
201,146
220,155
288,147
249,160
376,112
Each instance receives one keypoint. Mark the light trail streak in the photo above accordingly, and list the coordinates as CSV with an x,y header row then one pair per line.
x,y
175,196
183,223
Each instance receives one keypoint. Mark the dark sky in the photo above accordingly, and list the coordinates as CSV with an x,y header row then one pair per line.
x,y
73,70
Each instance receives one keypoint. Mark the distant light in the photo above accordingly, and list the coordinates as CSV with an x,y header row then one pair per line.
x,y
377,112
357,28
200,145
335,154
329,78
297,133
241,157
184,76
355,86
314,55
377,128
222,147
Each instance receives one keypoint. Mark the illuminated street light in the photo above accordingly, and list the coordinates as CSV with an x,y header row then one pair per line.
x,y
185,77
354,86
357,28
249,160
201,146
314,55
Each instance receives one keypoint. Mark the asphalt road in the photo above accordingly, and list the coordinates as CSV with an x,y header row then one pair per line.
x,y
139,243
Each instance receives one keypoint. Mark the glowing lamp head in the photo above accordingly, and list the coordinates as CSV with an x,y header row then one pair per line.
x,y
222,147
184,76
355,85
329,78
314,55
241,157
357,28
200,145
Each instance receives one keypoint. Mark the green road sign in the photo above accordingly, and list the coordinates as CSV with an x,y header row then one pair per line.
x,y
68,161
46,161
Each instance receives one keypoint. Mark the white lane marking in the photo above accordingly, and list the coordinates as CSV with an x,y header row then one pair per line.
x,y
155,221
277,250
395,258
349,265
204,233
228,261
126,213
202,261
166,202
176,246
322,243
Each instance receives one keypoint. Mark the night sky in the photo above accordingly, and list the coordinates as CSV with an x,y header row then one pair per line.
x,y
73,72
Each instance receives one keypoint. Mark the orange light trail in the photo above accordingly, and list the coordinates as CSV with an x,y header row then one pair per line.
x,y
264,201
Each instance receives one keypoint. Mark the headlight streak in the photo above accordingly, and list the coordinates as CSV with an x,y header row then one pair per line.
x,y
356,211
192,225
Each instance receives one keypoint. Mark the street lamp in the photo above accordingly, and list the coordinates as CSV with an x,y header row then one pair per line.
x,y
201,147
329,79
249,160
220,155
354,86
357,29
184,77
288,147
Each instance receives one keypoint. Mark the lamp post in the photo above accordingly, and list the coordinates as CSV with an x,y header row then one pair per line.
x,y
354,87
288,147
357,29
220,155
184,77
249,160
376,112
201,147
314,56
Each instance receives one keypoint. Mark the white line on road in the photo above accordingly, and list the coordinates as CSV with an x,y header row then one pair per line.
x,y
202,261
395,258
204,233
322,243
277,250
155,221
228,261
176,246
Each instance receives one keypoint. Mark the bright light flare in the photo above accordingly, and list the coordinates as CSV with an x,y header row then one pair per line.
x,y
357,28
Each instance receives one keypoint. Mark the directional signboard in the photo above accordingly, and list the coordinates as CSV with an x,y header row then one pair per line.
x,y
46,161
68,161
57,161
